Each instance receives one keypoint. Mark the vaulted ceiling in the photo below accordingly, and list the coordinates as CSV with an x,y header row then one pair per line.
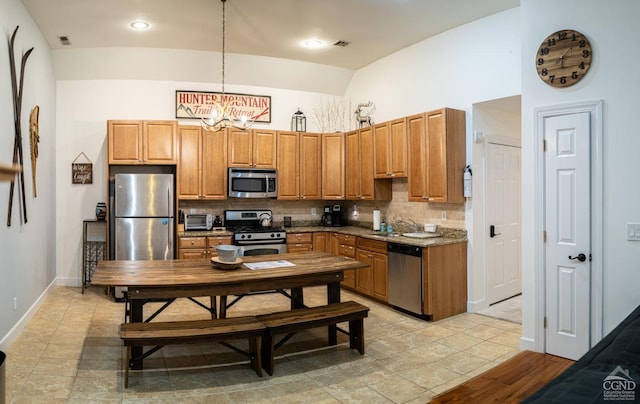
x,y
274,28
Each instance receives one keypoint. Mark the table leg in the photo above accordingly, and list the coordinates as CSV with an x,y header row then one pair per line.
x,y
297,298
136,317
213,309
223,307
333,296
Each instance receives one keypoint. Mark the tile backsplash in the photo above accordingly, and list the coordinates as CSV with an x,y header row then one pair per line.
x,y
359,212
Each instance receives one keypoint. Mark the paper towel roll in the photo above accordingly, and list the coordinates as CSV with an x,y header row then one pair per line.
x,y
376,219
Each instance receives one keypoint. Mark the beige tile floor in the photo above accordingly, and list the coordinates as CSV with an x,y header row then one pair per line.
x,y
70,353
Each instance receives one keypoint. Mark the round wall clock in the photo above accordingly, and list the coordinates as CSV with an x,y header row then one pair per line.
x,y
563,58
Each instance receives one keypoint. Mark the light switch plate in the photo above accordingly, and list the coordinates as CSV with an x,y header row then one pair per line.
x,y
633,231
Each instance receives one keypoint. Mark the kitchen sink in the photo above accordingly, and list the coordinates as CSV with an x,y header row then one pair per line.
x,y
421,235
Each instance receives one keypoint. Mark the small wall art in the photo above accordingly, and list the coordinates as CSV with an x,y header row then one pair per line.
x,y
82,170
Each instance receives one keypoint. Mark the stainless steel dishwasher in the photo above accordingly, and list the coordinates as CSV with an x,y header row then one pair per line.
x,y
405,277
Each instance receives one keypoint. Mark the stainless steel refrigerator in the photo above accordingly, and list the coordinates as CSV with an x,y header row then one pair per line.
x,y
144,216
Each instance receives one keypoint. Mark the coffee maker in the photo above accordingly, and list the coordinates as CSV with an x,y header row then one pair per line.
x,y
333,216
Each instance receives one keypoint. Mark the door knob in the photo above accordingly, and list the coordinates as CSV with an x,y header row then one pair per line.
x,y
492,231
580,257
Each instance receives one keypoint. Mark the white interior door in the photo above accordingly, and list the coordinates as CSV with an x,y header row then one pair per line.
x,y
568,234
503,240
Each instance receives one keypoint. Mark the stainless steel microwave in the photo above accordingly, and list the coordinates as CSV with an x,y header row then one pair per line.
x,y
253,183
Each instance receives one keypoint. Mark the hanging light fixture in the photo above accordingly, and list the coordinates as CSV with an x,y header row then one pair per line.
x,y
221,115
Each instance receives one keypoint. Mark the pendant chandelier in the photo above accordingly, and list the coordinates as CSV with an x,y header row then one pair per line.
x,y
221,112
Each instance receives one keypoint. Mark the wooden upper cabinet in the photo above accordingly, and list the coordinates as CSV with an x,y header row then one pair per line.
x,y
125,142
310,166
240,148
299,162
333,166
213,178
360,168
202,163
367,187
390,149
189,162
288,165
159,141
437,156
446,155
352,144
417,156
142,142
398,151
252,148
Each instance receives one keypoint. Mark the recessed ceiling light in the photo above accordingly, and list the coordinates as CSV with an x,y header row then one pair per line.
x,y
313,43
139,25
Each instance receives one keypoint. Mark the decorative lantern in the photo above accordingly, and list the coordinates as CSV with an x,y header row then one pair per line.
x,y
299,122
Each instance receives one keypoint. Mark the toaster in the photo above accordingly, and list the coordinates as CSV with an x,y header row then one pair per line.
x,y
198,221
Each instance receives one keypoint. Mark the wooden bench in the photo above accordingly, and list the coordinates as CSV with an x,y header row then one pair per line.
x,y
194,331
291,321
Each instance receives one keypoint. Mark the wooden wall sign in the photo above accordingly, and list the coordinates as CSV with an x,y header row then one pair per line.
x,y
198,105
82,173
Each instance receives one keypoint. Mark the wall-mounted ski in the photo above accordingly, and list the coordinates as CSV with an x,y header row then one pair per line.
x,y
16,89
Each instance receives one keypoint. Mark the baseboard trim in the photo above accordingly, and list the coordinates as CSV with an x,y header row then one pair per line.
x,y
527,344
69,282
19,327
476,306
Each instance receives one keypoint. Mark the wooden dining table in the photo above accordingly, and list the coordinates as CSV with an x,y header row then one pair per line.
x,y
169,279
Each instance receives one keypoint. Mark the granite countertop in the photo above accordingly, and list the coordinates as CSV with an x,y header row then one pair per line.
x,y
446,235
204,233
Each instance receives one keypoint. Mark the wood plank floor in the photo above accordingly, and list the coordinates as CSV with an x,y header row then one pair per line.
x,y
509,382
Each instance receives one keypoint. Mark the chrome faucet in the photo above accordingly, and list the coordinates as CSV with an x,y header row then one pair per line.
x,y
410,222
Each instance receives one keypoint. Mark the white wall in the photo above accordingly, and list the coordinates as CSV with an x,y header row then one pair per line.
x,y
198,67
612,29
27,251
475,62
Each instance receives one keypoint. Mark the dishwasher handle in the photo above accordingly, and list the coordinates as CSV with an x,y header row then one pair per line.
x,y
404,249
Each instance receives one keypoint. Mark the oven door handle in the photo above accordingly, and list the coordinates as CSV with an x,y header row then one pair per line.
x,y
259,242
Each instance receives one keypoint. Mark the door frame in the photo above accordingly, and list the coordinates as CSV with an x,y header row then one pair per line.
x,y
595,110
503,141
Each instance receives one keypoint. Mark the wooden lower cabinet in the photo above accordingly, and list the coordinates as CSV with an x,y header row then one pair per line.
x,y
200,246
299,242
322,241
444,266
373,280
445,280
345,245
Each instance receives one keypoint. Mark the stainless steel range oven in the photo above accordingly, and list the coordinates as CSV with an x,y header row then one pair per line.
x,y
252,237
